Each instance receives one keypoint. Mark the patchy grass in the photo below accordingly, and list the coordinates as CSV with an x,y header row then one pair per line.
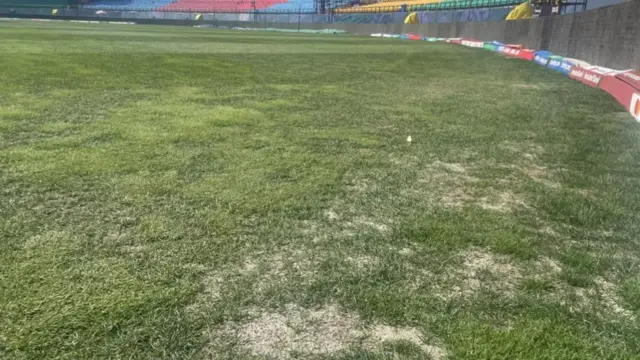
x,y
173,193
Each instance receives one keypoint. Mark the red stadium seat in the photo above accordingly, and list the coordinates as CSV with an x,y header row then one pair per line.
x,y
218,6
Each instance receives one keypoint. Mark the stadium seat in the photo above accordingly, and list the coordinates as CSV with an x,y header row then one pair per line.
x,y
287,5
428,5
293,5
127,4
219,5
34,3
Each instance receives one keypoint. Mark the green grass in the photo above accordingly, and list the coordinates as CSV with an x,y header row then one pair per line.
x,y
179,193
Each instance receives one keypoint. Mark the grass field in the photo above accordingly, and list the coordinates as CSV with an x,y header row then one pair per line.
x,y
180,193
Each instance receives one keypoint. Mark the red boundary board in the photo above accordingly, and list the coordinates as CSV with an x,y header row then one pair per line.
x,y
631,77
414,37
622,88
509,51
472,43
456,41
526,54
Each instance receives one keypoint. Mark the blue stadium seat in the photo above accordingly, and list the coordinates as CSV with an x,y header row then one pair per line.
x,y
293,5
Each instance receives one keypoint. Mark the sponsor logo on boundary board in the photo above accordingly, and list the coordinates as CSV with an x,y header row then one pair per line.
x,y
471,43
622,85
566,66
510,51
555,63
634,107
589,76
541,60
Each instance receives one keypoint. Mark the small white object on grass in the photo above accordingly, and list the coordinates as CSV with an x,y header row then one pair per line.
x,y
409,138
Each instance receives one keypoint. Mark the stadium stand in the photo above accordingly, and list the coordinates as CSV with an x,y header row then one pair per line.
x,y
426,5
293,5
465,4
36,3
219,6
140,5
286,6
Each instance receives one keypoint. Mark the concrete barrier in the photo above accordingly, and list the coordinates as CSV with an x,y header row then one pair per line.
x,y
608,36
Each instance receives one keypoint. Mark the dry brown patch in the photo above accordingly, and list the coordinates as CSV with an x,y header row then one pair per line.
x,y
331,215
608,296
279,267
483,270
452,185
211,287
406,252
248,266
607,233
321,331
404,160
584,192
46,239
134,249
601,299
297,330
446,173
545,265
548,230
528,86
505,201
194,267
423,279
449,183
381,334
262,272
363,222
114,235
525,147
530,153
539,174
361,185
455,198
450,167
363,261
333,234
309,227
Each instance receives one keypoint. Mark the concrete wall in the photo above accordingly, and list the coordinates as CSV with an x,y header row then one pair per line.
x,y
608,36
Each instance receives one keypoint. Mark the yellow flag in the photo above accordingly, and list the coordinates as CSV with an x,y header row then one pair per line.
x,y
412,19
522,11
